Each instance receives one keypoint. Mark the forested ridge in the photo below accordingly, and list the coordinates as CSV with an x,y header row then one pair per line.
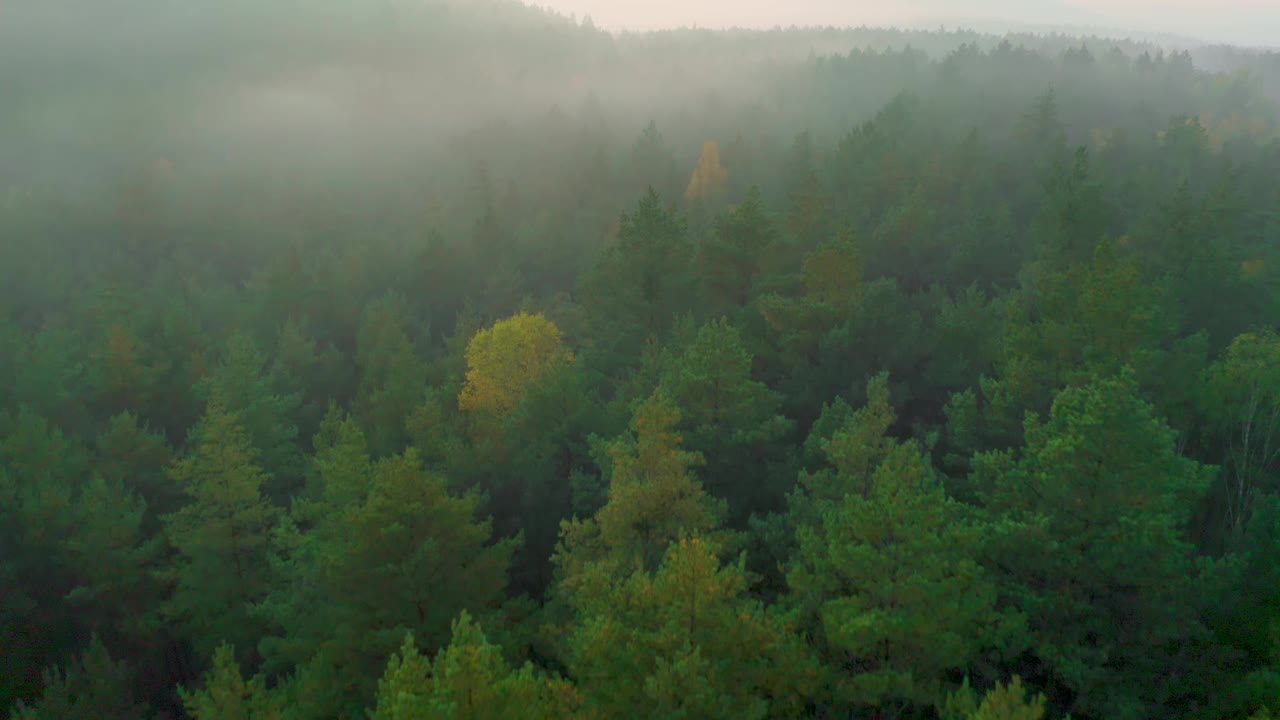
x,y
462,360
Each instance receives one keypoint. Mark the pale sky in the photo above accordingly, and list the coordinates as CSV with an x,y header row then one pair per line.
x,y
1254,22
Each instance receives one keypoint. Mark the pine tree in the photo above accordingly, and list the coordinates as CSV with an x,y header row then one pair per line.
x,y
685,640
116,593
639,286
654,497
468,680
1067,326
731,258
729,417
220,535
1094,553
227,695
313,372
657,625
709,177
887,567
75,562
391,374
831,281
1004,702
125,371
94,686
809,212
547,436
134,456
380,549
654,165
242,385
1075,214
1241,403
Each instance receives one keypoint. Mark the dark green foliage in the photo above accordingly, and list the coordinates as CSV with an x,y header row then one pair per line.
x,y
732,419
220,535
468,680
391,374
967,341
379,548
95,686
640,284
76,561
241,385
130,454
887,569
1096,553
731,259
226,695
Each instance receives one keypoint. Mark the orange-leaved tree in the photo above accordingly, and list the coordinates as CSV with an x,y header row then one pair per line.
x,y
504,360
710,176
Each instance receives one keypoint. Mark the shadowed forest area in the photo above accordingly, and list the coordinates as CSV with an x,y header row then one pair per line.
x,y
463,360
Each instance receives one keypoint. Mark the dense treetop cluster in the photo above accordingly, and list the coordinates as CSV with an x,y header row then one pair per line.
x,y
461,360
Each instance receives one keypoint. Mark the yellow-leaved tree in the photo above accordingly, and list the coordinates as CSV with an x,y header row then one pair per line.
x,y
504,360
710,176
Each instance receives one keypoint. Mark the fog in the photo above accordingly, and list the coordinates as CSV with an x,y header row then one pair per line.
x,y
1251,22
325,321
94,92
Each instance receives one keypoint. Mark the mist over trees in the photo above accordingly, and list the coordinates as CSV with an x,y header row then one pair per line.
x,y
461,359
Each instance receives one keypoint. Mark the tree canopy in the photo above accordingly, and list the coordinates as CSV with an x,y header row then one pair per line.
x,y
466,360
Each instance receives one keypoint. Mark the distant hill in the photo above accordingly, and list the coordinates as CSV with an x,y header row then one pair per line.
x,y
330,80
1257,24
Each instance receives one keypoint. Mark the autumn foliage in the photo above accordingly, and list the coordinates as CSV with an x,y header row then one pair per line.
x,y
504,360
710,176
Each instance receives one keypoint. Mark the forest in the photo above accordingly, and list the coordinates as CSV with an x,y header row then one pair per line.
x,y
462,360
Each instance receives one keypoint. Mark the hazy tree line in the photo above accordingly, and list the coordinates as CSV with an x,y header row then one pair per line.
x,y
466,361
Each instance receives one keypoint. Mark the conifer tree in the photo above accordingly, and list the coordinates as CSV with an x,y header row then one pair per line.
x,y
653,163
641,283
654,497
75,562
732,257
313,372
226,695
660,626
887,567
380,549
1006,701
135,456
709,177
94,686
831,280
391,374
1094,552
125,371
220,534
1067,325
1242,405
242,385
468,680
730,418
809,212
685,640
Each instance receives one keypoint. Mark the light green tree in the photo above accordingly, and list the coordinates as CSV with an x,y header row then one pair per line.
x,y
378,549
730,418
221,535
468,680
1241,402
887,568
226,695
1095,554
94,686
